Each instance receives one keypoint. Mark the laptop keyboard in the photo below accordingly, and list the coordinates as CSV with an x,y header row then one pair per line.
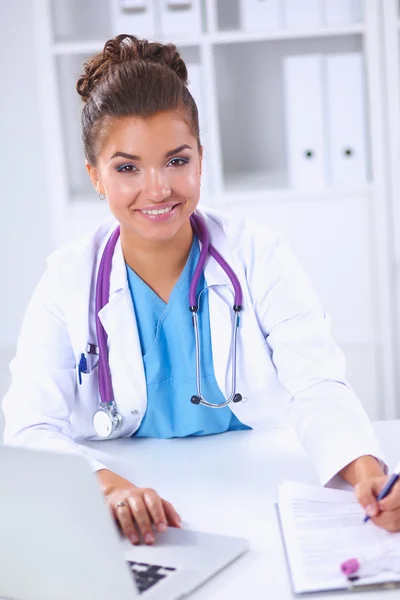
x,y
146,575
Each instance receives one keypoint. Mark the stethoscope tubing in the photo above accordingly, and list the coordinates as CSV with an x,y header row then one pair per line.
x,y
102,297
201,399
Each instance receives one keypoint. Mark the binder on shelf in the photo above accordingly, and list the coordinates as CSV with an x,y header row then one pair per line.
x,y
180,18
302,14
136,17
305,140
342,12
260,15
346,119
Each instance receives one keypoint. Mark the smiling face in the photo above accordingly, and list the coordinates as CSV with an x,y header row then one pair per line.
x,y
150,170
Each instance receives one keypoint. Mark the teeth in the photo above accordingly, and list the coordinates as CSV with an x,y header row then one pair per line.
x,y
157,212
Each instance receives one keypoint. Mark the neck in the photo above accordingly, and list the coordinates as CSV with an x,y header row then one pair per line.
x,y
164,260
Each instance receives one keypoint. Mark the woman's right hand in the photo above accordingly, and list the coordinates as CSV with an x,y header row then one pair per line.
x,y
136,510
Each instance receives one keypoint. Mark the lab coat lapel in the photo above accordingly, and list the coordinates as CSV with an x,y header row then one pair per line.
x,y
119,321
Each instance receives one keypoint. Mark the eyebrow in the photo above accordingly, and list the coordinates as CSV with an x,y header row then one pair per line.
x,y
168,154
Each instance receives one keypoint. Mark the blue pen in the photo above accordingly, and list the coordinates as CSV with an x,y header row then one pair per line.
x,y
385,491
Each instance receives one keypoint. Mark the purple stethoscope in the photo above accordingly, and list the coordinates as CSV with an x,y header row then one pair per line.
x,y
107,419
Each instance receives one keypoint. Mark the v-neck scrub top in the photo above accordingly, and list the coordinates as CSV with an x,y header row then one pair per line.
x,y
168,348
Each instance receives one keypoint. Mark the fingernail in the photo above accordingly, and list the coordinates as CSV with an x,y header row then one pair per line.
x,y
134,539
161,527
370,510
149,538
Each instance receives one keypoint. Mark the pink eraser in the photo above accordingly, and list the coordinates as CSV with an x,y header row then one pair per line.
x,y
350,566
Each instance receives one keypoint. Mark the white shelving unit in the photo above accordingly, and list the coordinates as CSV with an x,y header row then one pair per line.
x,y
340,236
391,27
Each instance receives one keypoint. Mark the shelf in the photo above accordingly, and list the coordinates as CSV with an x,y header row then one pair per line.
x,y
257,197
284,34
254,150
259,181
92,46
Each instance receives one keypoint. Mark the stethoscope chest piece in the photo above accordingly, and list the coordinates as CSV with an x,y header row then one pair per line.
x,y
106,420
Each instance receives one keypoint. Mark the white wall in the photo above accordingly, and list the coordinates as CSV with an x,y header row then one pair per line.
x,y
24,235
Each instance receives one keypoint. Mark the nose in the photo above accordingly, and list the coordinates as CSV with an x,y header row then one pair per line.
x,y
156,186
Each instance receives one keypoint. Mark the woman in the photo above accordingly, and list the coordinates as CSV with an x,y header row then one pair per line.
x,y
143,152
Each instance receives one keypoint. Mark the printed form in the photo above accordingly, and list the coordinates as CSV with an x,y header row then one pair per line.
x,y
324,527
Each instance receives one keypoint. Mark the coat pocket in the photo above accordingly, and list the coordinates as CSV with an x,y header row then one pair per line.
x,y
86,364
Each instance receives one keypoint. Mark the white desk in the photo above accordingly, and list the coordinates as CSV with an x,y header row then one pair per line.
x,y
228,484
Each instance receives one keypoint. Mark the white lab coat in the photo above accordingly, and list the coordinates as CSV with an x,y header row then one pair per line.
x,y
286,358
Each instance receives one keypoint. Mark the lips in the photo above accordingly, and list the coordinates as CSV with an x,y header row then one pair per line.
x,y
159,206
155,216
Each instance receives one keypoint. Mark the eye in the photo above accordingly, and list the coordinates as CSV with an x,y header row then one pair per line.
x,y
128,168
178,162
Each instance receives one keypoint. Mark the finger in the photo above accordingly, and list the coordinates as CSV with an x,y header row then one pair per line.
x,y
125,518
141,516
387,517
390,523
173,517
155,508
392,500
367,491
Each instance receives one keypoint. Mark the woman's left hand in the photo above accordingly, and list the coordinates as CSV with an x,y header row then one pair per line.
x,y
384,513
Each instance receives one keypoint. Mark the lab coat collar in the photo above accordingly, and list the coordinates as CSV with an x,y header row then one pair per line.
x,y
213,272
118,278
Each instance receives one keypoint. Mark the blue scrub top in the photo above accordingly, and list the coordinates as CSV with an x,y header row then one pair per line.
x,y
168,348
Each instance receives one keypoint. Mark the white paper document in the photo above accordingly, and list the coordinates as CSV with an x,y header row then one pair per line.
x,y
324,527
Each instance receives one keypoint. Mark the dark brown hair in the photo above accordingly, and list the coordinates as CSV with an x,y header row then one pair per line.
x,y
132,77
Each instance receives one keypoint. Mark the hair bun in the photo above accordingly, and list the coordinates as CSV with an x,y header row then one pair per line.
x,y
125,48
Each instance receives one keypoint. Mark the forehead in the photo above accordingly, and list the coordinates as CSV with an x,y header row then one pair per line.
x,y
163,131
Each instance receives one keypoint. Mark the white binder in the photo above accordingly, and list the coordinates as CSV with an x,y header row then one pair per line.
x,y
196,89
301,14
346,119
305,140
341,12
136,17
180,18
260,15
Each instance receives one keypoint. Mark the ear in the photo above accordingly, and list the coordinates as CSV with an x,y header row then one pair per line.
x,y
95,178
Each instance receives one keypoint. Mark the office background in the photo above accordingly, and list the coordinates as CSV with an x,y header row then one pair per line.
x,y
300,117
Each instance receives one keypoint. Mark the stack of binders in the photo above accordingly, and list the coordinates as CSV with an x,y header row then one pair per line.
x,y
325,120
275,15
151,18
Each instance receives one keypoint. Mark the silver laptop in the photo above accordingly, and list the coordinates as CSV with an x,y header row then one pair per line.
x,y
58,540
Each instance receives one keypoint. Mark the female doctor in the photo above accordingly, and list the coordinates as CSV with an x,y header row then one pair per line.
x,y
137,328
